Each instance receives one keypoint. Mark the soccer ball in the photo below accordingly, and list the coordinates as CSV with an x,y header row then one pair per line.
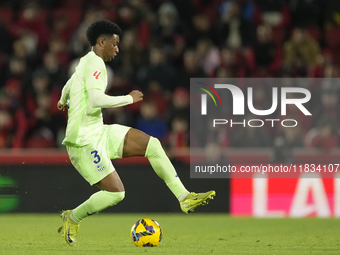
x,y
146,233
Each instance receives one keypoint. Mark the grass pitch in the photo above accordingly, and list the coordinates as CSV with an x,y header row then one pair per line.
x,y
182,234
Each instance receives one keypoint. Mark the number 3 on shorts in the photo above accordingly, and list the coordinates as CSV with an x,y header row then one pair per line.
x,y
96,156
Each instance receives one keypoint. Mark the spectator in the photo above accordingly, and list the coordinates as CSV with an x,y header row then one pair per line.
x,y
331,71
208,56
20,51
158,70
149,121
179,106
201,29
79,43
128,17
130,57
324,58
13,122
118,115
301,47
156,95
167,25
264,54
233,63
191,68
233,29
58,47
17,69
61,28
33,27
54,69
179,136
45,119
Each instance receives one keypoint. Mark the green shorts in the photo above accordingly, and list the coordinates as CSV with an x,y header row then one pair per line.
x,y
93,161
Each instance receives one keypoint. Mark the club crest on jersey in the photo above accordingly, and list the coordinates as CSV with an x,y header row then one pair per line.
x,y
96,74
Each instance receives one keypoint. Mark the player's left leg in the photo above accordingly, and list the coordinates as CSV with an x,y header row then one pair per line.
x,y
137,143
94,164
112,192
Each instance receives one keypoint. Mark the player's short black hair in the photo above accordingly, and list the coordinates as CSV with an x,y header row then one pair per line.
x,y
102,27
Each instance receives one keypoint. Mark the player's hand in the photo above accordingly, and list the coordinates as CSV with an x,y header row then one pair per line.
x,y
136,95
62,107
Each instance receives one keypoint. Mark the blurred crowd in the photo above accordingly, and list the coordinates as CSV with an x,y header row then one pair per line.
x,y
164,43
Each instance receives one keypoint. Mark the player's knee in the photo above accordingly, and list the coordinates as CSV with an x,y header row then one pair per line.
x,y
154,147
115,197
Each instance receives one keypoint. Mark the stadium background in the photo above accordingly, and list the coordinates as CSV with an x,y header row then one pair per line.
x,y
164,43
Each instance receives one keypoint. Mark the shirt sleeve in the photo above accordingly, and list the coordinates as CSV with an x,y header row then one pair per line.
x,y
65,93
95,76
97,99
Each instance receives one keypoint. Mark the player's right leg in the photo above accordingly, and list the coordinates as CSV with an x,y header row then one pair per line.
x,y
193,200
137,143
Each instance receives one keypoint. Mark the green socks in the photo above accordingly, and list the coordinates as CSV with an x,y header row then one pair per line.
x,y
96,203
163,167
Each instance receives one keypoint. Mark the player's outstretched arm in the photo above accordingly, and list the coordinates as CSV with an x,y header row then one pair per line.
x,y
98,99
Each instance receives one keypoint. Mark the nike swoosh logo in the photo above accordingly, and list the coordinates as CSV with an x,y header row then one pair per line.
x,y
89,214
194,198
68,235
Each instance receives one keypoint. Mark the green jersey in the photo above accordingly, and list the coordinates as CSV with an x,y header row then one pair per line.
x,y
84,122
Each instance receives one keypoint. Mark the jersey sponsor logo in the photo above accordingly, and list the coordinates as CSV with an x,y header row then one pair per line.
x,y
96,74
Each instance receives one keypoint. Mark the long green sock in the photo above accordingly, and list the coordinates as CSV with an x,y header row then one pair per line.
x,y
96,203
163,167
